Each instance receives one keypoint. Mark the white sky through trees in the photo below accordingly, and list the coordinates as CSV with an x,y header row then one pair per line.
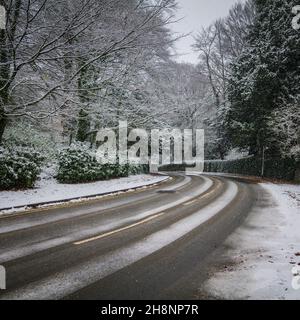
x,y
196,14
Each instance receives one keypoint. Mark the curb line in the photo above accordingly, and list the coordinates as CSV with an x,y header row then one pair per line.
x,y
43,205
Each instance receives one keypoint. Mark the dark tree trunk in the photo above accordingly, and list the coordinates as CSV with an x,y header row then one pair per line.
x,y
3,123
6,57
297,175
4,75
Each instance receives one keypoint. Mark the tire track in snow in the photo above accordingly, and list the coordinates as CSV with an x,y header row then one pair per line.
x,y
70,280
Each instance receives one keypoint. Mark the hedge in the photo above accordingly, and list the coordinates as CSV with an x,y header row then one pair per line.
x,y
274,168
277,168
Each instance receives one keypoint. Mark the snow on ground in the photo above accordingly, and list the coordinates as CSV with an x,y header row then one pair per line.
x,y
263,259
50,190
288,196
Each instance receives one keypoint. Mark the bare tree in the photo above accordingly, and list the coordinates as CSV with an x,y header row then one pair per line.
x,y
47,45
219,44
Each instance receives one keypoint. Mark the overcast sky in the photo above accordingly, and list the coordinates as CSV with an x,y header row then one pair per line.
x,y
196,14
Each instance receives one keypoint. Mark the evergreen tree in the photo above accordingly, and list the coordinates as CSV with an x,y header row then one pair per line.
x,y
266,73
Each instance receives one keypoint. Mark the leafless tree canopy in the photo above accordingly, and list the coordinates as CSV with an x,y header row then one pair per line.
x,y
49,47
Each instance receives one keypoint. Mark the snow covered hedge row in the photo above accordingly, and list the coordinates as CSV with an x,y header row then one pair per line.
x,y
19,167
79,165
273,168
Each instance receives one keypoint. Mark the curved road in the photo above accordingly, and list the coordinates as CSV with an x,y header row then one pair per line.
x,y
153,243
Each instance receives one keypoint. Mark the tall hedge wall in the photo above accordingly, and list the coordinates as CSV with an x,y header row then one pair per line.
x,y
274,168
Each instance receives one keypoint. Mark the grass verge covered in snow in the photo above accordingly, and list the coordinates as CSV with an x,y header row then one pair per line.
x,y
50,190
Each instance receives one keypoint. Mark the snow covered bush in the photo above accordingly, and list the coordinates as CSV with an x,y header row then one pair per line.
x,y
78,164
19,167
26,134
138,169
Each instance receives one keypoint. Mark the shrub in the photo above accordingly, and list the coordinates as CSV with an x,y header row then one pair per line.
x,y
78,164
19,167
138,169
26,135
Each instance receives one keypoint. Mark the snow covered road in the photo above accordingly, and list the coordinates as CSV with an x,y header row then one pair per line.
x,y
189,237
71,252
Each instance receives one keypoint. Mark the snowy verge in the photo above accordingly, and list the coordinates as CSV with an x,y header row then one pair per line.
x,y
287,196
263,259
48,190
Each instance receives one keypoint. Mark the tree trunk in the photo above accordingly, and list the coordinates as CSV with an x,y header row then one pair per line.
x,y
4,76
297,175
3,123
3,116
6,57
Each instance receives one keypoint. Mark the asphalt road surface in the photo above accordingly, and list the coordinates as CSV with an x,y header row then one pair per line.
x,y
148,244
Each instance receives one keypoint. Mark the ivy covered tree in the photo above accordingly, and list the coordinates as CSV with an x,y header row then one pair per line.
x,y
263,76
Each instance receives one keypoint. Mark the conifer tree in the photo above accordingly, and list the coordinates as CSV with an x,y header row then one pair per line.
x,y
266,73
